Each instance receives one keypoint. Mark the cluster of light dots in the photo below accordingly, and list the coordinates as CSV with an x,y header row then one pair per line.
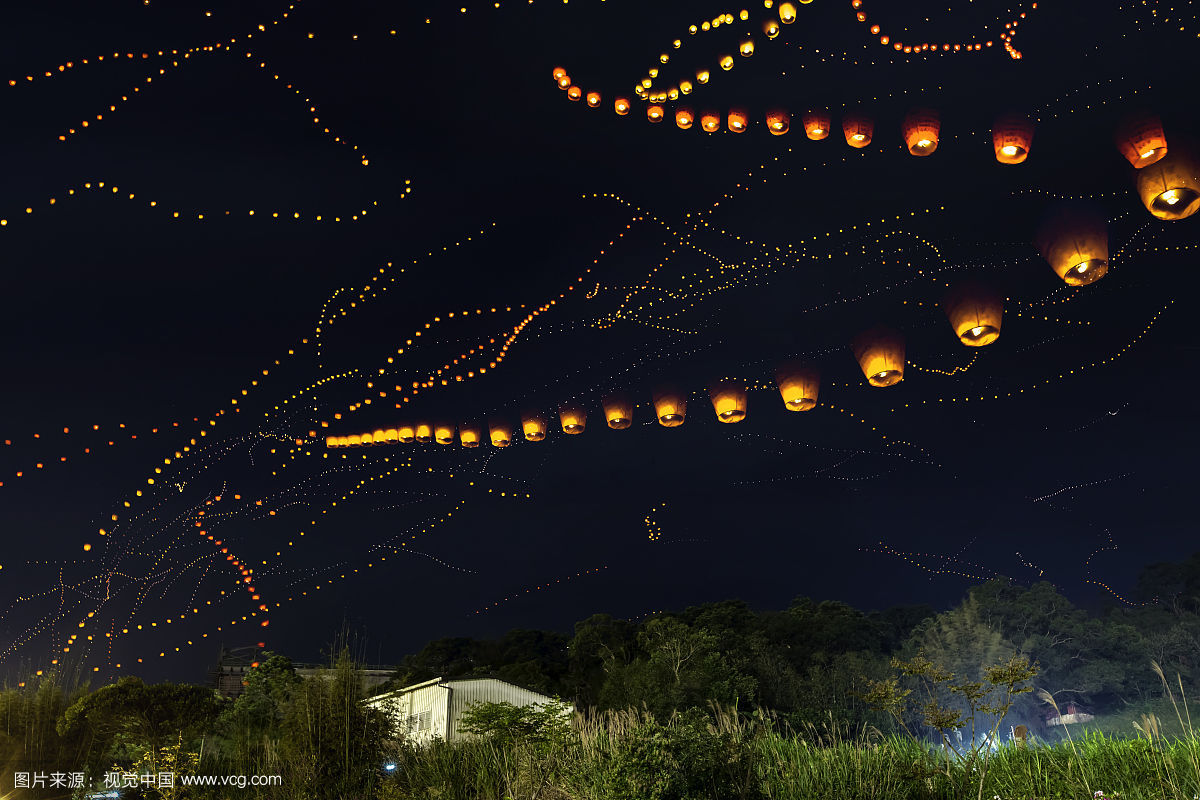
x,y
112,190
1010,32
653,529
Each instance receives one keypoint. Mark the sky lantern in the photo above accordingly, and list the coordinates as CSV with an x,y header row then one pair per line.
x,y
500,432
468,434
921,129
787,13
391,436
377,436
353,440
654,113
778,122
564,82
880,353
331,441
1170,187
670,406
406,434
559,73
685,87
1012,136
1140,139
858,128
710,121
975,312
621,106
618,411
684,118
702,76
1074,238
366,439
424,433
771,28
798,386
729,401
593,99
816,124
738,121
574,92
443,433
746,48
534,427
726,62
573,418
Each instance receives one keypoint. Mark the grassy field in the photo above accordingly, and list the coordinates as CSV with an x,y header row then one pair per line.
x,y
628,756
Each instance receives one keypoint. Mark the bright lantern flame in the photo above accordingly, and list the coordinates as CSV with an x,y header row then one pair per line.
x,y
1147,154
1171,196
1082,268
924,142
978,330
858,137
1009,149
818,130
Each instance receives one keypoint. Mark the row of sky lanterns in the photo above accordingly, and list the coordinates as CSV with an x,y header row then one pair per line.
x,y
1139,138
975,312
1073,239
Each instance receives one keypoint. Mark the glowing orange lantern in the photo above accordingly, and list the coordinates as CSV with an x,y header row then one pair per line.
x,y
1140,139
331,441
858,129
444,434
670,406
798,386
975,312
654,113
353,440
738,121
880,353
391,435
534,427
424,433
366,439
787,13
564,81
377,436
746,48
559,73
816,124
921,129
1074,239
618,412
778,122
621,106
684,118
406,434
1170,188
729,401
1012,136
501,433
573,419
771,28
593,99
710,121
574,92
468,434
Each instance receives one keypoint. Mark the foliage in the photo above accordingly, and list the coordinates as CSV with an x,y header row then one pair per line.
x,y
507,725
985,700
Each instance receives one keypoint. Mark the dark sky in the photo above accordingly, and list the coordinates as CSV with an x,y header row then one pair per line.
x,y
1063,452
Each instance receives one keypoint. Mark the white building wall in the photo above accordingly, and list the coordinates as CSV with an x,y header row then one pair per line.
x,y
485,690
419,714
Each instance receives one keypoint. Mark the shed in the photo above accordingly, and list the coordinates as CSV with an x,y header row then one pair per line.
x,y
429,710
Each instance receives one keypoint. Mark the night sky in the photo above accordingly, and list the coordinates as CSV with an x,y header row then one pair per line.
x,y
451,174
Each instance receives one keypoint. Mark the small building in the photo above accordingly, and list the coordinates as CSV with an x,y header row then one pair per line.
x,y
429,710
229,675
1072,715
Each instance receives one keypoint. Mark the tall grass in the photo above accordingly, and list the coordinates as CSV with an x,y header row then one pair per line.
x,y
628,755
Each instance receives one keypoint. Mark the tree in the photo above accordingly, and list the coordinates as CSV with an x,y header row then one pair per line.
x,y
251,723
129,718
